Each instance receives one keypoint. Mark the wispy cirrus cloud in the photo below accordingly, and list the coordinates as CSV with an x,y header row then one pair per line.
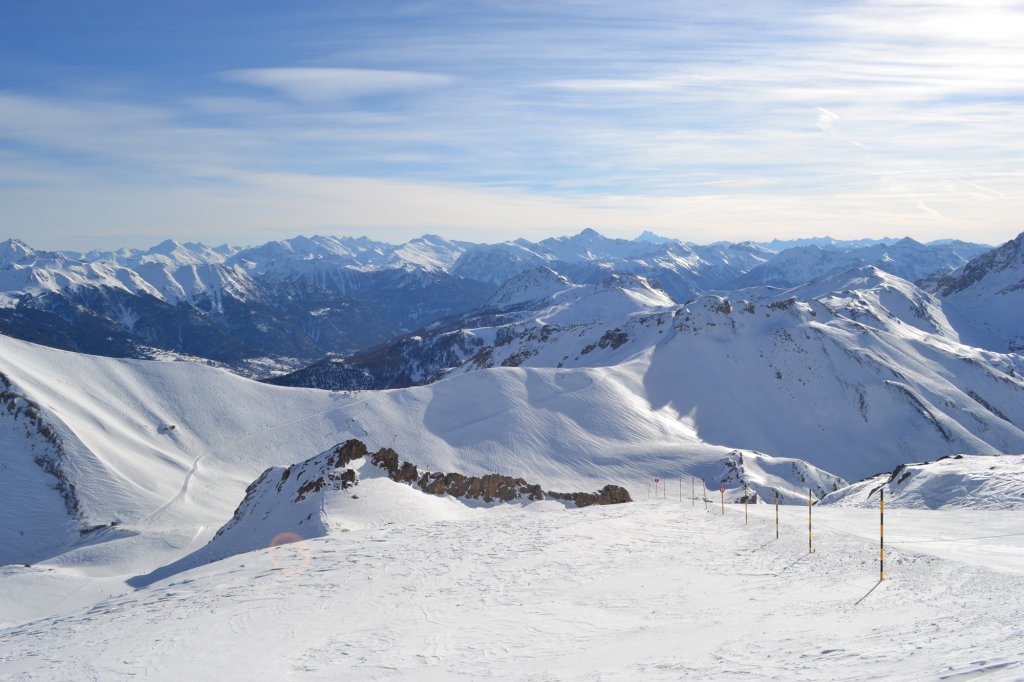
x,y
311,84
486,120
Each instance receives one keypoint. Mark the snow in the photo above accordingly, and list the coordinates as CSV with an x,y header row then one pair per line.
x,y
984,299
397,584
566,430
529,287
656,590
966,481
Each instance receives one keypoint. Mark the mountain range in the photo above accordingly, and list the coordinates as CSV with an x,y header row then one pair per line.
x,y
286,304
130,487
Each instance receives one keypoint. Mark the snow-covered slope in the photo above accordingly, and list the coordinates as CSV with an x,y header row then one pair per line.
x,y
985,298
532,305
530,286
869,295
661,590
350,488
855,373
167,449
956,481
906,258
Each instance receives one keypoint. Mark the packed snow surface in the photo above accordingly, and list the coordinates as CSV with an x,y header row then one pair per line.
x,y
656,590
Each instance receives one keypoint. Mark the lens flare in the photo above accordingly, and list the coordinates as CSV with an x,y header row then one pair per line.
x,y
289,552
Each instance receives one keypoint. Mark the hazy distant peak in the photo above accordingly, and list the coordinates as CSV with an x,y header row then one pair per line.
x,y
650,237
15,249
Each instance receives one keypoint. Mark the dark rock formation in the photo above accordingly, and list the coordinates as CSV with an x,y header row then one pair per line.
x,y
610,494
489,488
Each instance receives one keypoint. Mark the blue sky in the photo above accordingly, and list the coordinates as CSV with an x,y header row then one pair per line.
x,y
122,123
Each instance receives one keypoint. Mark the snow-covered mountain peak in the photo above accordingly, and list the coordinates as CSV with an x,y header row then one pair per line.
x,y
985,297
13,250
1008,257
590,245
869,295
650,237
533,285
176,253
615,297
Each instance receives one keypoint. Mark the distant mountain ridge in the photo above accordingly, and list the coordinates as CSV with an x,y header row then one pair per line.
x,y
288,303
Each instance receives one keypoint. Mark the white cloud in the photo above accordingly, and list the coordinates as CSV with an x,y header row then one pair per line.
x,y
718,120
827,119
330,84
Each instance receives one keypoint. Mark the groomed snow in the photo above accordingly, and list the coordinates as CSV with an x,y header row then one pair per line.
x,y
656,590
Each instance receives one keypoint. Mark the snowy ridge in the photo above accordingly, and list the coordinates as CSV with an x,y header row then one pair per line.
x,y
39,506
292,302
865,368
768,477
985,298
431,354
906,258
347,488
955,481
530,286
169,448
870,295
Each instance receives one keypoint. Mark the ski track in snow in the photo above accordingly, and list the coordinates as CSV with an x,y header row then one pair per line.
x,y
656,590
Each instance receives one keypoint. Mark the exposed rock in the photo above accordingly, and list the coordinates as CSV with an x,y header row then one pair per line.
x,y
489,488
349,451
610,494
614,338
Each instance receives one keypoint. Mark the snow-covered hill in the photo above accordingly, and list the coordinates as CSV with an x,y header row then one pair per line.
x,y
164,451
530,286
955,481
349,488
985,298
121,470
855,373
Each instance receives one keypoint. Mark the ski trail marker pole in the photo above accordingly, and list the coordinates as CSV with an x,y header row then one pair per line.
x,y
693,492
776,514
745,500
810,546
705,486
881,536
721,489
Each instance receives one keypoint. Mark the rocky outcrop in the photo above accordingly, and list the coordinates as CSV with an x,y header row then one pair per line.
x,y
489,488
610,494
27,412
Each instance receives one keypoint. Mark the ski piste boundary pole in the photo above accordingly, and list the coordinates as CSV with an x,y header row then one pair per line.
x,y
881,536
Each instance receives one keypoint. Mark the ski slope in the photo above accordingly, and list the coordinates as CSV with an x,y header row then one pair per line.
x,y
397,584
656,590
